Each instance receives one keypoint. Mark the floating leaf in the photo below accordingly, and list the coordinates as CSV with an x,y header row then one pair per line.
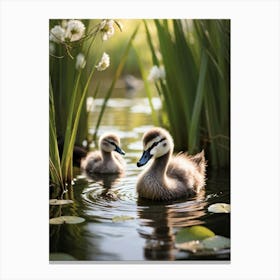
x,y
61,257
117,219
213,243
66,220
219,208
192,246
60,201
193,233
216,242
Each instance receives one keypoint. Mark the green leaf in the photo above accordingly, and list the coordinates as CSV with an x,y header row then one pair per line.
x,y
216,242
66,220
196,93
123,218
197,107
219,208
192,246
54,160
60,201
207,245
67,149
193,233
76,105
150,43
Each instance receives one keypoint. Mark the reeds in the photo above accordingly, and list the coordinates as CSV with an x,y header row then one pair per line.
x,y
68,90
195,90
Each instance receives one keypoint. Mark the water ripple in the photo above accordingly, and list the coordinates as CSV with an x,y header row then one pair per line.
x,y
109,197
113,196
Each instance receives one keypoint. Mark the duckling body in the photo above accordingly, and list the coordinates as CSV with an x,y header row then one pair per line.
x,y
168,177
108,159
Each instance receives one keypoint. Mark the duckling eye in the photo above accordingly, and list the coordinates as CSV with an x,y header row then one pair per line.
x,y
156,143
107,142
164,144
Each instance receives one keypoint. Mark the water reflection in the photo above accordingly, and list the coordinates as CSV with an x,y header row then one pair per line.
x,y
106,181
150,234
159,221
132,85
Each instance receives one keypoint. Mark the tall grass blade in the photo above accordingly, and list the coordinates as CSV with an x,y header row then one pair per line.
x,y
196,92
194,129
55,168
116,77
68,159
149,40
66,148
146,87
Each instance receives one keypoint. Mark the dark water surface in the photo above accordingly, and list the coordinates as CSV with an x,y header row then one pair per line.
x,y
120,227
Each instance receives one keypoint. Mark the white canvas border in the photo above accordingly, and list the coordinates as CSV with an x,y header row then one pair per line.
x,y
254,132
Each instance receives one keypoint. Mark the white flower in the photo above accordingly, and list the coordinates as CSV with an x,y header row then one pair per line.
x,y
107,29
75,30
104,62
57,34
52,48
156,73
64,23
80,61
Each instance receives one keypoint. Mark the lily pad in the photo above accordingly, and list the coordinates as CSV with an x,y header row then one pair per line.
x,y
117,219
192,246
193,233
66,220
60,201
216,242
205,246
219,208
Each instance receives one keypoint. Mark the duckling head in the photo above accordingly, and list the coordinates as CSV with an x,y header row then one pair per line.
x,y
156,143
110,142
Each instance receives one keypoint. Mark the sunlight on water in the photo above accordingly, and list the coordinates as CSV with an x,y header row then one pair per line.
x,y
119,226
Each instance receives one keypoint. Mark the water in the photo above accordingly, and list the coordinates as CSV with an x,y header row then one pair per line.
x,y
120,227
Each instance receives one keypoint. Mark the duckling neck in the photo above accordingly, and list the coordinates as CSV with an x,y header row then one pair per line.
x,y
106,156
160,164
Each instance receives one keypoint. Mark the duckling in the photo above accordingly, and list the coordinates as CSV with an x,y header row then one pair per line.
x,y
108,159
168,177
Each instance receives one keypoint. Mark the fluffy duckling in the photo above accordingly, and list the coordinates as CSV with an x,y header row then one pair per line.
x,y
108,159
168,177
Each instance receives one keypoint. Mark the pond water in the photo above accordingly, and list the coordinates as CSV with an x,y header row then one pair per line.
x,y
120,227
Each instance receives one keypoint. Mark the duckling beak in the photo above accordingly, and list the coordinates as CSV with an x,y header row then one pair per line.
x,y
119,150
146,156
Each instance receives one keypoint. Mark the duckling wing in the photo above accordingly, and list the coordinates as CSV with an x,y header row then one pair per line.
x,y
179,166
187,170
199,161
91,161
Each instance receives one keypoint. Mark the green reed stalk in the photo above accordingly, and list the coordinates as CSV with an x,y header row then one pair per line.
x,y
146,86
196,92
70,105
69,159
55,168
197,107
72,126
116,77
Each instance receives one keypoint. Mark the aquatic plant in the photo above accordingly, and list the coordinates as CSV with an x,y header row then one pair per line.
x,y
69,86
191,72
